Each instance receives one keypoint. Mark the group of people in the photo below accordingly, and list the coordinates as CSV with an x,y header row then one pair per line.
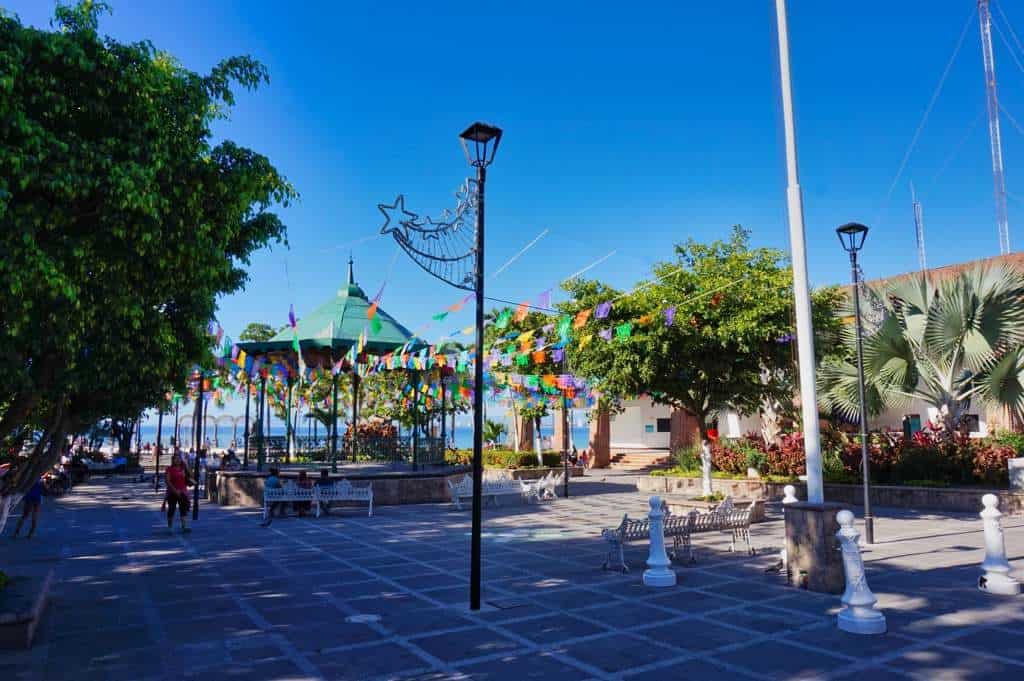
x,y
303,481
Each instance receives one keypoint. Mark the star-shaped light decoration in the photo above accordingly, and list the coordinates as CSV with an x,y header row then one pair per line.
x,y
399,206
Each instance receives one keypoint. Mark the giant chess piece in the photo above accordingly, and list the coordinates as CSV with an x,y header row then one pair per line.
x,y
659,571
705,468
789,497
995,577
859,615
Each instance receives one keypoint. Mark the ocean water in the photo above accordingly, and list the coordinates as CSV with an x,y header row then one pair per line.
x,y
463,434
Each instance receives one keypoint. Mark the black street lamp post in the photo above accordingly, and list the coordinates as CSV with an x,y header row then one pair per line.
x,y
852,236
475,142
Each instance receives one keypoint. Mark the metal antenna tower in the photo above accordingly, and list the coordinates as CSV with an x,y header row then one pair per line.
x,y
992,100
918,228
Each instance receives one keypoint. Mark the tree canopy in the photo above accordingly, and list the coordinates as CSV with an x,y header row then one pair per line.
x,y
121,222
711,330
257,332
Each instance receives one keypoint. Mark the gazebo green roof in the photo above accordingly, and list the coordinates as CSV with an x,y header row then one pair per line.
x,y
334,327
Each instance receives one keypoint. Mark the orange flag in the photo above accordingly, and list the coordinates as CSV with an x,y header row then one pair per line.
x,y
581,319
521,311
372,310
538,357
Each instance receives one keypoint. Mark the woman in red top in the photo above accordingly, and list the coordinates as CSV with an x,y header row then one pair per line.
x,y
177,491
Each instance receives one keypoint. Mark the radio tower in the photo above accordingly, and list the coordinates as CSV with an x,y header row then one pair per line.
x,y
992,100
918,229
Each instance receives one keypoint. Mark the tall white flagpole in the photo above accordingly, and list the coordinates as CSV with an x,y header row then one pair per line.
x,y
801,293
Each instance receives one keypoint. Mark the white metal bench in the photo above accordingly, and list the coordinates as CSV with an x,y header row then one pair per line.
x,y
342,490
724,517
317,496
542,488
490,490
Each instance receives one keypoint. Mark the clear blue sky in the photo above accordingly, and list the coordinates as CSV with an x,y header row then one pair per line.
x,y
628,127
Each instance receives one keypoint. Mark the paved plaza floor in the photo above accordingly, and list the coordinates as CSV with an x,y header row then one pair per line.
x,y
351,597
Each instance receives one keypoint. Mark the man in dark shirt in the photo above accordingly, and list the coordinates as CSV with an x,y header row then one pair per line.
x,y
30,506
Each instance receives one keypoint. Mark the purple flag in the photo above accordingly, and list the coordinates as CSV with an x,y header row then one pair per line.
x,y
291,316
602,310
544,299
670,315
605,333
557,355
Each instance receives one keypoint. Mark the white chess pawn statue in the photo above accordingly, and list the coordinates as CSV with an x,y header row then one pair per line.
x,y
859,615
659,571
995,577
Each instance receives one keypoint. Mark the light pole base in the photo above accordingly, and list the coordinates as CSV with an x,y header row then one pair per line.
x,y
813,561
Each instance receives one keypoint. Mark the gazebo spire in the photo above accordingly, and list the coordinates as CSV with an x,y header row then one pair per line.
x,y
351,276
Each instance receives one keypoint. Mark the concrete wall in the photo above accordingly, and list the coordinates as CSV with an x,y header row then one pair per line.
x,y
637,426
953,499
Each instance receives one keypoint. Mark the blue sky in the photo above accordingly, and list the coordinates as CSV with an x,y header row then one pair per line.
x,y
628,128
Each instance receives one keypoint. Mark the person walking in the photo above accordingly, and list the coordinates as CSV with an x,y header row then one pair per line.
x,y
177,479
30,507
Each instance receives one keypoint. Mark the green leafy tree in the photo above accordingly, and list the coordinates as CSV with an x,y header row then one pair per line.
x,y
730,325
947,344
121,222
257,332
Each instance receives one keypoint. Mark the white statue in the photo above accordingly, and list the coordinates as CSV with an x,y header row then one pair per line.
x,y
995,577
859,615
705,467
659,568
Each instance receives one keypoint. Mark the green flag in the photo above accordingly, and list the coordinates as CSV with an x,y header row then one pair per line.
x,y
503,319
375,326
624,331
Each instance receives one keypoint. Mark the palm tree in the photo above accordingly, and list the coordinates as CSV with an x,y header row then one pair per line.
x,y
493,431
945,344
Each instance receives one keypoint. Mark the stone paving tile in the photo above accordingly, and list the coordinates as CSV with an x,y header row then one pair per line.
x,y
695,670
765,621
239,601
616,652
939,664
470,643
554,628
696,635
528,665
388,659
778,660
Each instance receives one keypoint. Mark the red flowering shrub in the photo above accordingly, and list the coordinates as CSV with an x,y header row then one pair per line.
x,y
989,464
788,458
728,459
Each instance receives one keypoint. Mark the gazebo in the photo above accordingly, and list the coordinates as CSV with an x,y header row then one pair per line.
x,y
326,336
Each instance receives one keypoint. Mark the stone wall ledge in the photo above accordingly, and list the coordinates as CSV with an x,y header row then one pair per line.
x,y
953,499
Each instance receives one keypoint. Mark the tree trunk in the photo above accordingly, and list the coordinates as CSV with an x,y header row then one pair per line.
x,y
537,441
771,422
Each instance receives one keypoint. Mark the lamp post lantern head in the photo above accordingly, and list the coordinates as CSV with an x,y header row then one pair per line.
x,y
851,236
477,143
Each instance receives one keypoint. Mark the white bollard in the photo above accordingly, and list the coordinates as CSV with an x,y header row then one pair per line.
x,y
859,615
659,572
789,497
995,577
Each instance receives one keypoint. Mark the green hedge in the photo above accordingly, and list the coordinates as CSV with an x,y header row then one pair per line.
x,y
502,458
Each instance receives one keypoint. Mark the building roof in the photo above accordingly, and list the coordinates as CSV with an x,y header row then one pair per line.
x,y
335,326
936,274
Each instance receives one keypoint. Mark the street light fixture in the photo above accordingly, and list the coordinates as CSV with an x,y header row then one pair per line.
x,y
851,236
477,142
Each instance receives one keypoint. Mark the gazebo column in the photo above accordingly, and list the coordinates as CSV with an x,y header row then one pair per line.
x,y
355,412
261,438
443,440
288,425
415,417
334,425
245,433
